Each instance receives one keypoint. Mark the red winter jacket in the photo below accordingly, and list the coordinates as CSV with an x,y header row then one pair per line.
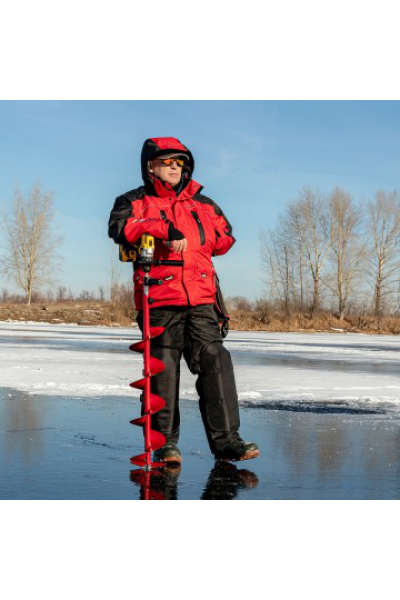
x,y
150,209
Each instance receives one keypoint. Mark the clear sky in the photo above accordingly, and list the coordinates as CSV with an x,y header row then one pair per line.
x,y
252,157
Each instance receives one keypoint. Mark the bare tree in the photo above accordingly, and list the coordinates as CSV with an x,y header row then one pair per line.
x,y
61,293
309,220
347,249
293,226
30,245
86,296
277,261
384,227
5,295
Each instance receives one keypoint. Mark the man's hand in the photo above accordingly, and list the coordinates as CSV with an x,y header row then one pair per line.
x,y
179,245
177,240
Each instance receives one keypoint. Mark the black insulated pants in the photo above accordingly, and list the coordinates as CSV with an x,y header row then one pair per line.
x,y
195,333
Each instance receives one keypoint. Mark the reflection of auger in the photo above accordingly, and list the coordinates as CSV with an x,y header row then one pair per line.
x,y
151,403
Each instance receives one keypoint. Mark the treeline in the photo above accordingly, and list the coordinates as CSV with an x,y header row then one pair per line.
x,y
331,253
119,293
114,306
59,295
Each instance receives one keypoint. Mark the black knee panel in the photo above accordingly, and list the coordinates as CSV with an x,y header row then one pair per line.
x,y
217,389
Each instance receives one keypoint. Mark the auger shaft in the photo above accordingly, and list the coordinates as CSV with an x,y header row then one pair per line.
x,y
146,371
153,440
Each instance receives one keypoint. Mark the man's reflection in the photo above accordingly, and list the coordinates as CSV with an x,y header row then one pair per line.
x,y
225,480
223,483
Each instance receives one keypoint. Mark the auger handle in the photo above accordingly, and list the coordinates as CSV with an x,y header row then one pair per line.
x,y
157,263
172,263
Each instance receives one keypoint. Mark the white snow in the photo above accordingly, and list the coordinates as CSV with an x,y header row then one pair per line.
x,y
78,361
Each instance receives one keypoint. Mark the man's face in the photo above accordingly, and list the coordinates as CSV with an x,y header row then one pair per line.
x,y
171,173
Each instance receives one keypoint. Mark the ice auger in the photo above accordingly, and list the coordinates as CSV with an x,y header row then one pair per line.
x,y
151,403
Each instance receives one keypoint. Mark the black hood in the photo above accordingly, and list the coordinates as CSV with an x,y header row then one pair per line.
x,y
154,147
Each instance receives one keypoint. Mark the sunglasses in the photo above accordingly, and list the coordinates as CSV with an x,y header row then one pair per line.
x,y
169,161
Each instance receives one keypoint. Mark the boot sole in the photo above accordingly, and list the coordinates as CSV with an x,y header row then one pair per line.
x,y
249,455
175,460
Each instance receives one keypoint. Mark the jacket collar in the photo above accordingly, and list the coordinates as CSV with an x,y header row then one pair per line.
x,y
165,190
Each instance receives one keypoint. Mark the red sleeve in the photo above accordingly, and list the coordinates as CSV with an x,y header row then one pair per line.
x,y
135,228
223,230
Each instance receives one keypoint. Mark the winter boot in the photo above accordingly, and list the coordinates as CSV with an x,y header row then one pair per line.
x,y
169,454
238,450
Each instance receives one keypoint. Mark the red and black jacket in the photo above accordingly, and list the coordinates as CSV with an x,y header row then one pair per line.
x,y
151,208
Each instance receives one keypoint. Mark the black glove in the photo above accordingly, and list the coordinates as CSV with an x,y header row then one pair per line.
x,y
174,234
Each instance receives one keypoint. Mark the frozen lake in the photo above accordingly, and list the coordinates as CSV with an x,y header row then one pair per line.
x,y
324,409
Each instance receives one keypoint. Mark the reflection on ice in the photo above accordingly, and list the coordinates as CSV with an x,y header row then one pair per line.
x,y
224,482
22,420
70,448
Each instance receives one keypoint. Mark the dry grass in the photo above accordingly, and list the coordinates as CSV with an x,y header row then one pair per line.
x,y
80,312
121,313
279,321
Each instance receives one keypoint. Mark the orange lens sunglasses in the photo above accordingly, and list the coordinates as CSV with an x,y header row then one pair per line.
x,y
169,161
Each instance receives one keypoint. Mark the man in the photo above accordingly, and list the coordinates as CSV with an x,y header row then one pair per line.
x,y
187,226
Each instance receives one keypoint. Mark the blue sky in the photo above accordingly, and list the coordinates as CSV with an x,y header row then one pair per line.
x,y
252,157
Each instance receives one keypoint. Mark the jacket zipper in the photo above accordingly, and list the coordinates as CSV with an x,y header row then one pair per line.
x,y
183,268
200,226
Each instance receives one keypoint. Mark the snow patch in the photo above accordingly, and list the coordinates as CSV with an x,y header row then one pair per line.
x,y
287,368
249,394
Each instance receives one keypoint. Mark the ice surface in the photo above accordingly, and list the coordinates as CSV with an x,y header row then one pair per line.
x,y
272,369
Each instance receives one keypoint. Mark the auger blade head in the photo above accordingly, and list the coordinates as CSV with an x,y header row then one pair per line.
x,y
139,460
157,439
139,384
156,403
138,346
156,331
140,421
156,366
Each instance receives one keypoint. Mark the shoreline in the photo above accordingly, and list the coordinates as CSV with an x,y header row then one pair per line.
x,y
133,325
104,313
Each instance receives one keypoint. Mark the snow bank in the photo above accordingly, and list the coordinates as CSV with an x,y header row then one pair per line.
x,y
272,369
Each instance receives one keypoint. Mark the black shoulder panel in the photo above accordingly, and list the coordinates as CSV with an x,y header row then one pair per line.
x,y
205,200
121,212
136,194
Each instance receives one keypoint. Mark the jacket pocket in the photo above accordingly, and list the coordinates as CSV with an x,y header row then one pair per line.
x,y
205,286
200,226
